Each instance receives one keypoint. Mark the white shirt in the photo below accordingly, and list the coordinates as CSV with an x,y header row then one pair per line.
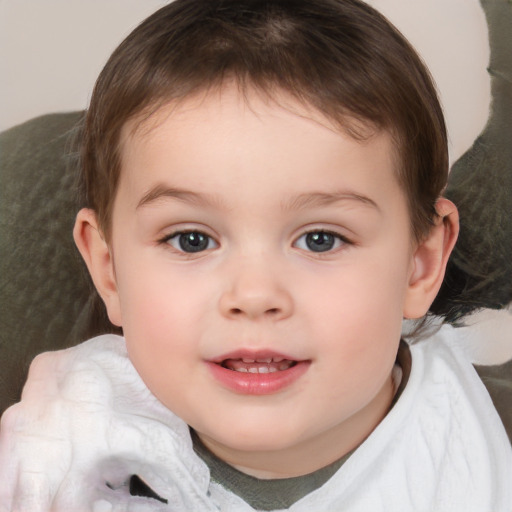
x,y
86,419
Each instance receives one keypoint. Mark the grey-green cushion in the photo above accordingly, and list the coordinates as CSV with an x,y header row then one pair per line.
x,y
44,289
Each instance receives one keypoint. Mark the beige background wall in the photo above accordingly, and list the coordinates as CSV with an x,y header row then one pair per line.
x,y
52,50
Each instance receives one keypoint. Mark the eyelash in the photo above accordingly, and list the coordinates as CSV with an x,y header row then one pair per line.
x,y
338,241
177,234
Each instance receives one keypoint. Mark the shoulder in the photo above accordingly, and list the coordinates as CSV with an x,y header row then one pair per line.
x,y
475,347
498,381
485,339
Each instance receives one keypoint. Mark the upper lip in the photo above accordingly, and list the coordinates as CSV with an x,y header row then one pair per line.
x,y
254,355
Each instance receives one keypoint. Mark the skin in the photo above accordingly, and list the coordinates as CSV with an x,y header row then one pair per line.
x,y
254,177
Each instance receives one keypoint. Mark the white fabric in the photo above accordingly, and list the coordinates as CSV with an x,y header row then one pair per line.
x,y
86,419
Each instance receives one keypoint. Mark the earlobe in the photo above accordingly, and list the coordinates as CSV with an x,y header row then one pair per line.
x,y
98,258
430,259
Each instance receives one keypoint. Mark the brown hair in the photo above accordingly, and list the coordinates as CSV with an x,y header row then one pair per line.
x,y
339,56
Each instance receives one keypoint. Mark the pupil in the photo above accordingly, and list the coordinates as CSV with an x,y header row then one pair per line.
x,y
320,242
193,242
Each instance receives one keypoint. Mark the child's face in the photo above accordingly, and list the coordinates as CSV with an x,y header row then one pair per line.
x,y
245,232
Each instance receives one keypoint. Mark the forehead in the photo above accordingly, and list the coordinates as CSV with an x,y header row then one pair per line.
x,y
234,98
227,137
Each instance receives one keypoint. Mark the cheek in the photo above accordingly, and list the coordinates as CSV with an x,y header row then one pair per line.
x,y
164,311
153,291
358,317
161,327
364,292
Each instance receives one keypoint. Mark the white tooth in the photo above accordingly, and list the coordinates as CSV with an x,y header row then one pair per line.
x,y
253,369
267,360
242,369
277,359
263,369
272,369
246,360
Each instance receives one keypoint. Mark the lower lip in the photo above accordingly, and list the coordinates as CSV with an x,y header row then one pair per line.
x,y
258,383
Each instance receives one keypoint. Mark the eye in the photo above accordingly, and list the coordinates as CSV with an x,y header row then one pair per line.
x,y
320,241
191,241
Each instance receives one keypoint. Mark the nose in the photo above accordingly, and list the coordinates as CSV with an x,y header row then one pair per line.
x,y
255,293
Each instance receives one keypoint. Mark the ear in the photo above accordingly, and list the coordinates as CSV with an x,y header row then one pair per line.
x,y
429,260
97,256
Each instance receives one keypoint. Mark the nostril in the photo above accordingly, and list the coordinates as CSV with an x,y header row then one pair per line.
x,y
270,311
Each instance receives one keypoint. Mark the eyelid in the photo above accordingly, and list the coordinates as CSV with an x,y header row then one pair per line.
x,y
337,232
186,227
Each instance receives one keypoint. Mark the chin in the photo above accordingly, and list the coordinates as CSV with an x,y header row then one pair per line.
x,y
257,438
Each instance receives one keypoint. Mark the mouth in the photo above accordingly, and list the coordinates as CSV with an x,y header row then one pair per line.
x,y
260,365
257,373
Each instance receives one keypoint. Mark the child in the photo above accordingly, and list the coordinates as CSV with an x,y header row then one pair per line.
x,y
264,184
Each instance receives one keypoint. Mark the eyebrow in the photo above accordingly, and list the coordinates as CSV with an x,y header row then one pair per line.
x,y
318,199
162,191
